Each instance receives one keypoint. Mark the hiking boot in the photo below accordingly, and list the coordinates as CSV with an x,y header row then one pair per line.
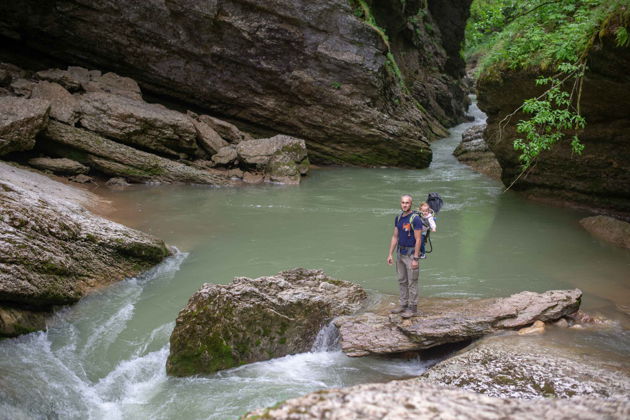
x,y
409,312
398,310
423,256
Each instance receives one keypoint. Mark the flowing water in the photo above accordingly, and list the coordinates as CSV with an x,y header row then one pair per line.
x,y
104,358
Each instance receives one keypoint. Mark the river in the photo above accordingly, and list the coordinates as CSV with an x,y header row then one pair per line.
x,y
104,357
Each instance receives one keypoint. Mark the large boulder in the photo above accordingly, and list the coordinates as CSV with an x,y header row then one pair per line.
x,y
519,367
54,251
322,71
283,158
114,84
117,159
20,121
137,123
474,152
207,138
411,399
251,320
63,106
227,130
609,229
449,321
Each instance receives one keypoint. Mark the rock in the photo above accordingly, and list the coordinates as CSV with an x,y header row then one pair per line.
x,y
208,139
537,328
15,321
283,158
561,323
597,180
253,178
225,156
117,182
61,166
137,123
251,320
22,87
114,84
235,173
608,229
450,321
226,130
411,399
81,179
527,367
474,152
63,106
20,121
116,159
68,80
309,69
54,251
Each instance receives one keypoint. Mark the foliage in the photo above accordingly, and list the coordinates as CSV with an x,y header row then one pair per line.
x,y
546,37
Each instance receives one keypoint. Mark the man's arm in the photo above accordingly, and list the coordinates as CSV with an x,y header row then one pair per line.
x,y
392,246
416,251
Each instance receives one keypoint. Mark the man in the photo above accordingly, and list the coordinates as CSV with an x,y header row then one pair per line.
x,y
406,239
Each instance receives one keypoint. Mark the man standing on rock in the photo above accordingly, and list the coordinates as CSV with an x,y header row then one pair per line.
x,y
406,239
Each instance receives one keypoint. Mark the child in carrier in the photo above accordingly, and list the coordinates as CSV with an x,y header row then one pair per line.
x,y
428,222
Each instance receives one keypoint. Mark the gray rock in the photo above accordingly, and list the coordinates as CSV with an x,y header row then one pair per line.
x,y
68,80
20,121
450,321
225,156
63,166
256,319
207,138
117,182
282,158
81,179
114,84
54,251
411,399
474,152
253,178
22,87
63,106
226,130
137,123
116,159
516,367
609,229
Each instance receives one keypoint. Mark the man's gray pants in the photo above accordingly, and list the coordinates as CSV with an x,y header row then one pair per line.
x,y
407,281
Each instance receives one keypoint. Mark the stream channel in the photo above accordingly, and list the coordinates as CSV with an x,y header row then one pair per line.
x,y
104,357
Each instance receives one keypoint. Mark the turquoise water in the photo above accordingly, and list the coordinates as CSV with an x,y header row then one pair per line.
x,y
105,357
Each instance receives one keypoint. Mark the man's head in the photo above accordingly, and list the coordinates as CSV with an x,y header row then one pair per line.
x,y
405,203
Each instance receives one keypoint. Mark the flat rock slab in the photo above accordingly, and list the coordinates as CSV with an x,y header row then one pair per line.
x,y
442,322
531,367
411,399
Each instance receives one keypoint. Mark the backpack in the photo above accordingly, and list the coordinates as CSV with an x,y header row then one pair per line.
x,y
435,202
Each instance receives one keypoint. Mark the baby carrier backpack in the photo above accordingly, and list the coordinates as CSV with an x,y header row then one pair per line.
x,y
435,202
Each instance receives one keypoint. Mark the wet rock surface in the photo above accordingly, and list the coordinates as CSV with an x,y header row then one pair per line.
x,y
515,367
313,70
54,251
609,229
474,152
412,399
250,320
449,321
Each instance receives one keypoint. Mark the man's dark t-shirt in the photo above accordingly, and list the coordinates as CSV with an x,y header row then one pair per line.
x,y
405,231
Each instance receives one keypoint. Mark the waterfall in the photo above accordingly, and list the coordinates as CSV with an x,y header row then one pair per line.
x,y
327,339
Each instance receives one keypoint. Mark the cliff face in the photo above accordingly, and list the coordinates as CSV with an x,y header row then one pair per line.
x,y
599,179
315,70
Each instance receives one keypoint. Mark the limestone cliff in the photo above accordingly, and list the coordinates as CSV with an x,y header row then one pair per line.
x,y
599,179
365,83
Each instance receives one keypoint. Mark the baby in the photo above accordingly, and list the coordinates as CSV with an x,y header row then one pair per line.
x,y
428,222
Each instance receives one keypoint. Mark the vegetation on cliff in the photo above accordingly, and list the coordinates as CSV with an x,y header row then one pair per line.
x,y
550,39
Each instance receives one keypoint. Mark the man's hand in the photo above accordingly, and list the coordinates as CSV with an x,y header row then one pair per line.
x,y
414,264
390,260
